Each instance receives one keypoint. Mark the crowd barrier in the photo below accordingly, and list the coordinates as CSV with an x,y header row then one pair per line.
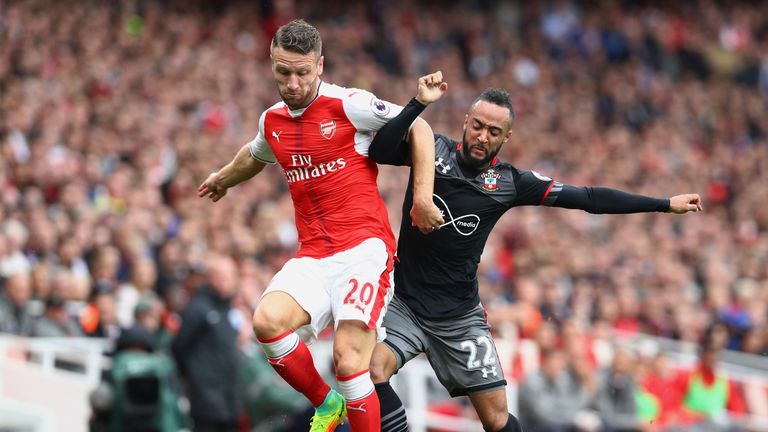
x,y
44,383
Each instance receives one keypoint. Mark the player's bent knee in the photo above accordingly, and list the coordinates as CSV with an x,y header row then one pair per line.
x,y
383,364
353,346
263,326
276,314
378,372
268,323
349,361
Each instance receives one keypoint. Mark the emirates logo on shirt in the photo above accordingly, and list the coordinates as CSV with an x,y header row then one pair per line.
x,y
491,177
303,168
328,128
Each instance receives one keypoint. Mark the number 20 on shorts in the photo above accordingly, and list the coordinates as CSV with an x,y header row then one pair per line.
x,y
359,296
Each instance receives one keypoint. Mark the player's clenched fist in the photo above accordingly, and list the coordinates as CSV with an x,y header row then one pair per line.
x,y
426,216
685,203
211,188
431,88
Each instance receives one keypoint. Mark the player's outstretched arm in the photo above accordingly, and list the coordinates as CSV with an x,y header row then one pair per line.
x,y
240,169
603,200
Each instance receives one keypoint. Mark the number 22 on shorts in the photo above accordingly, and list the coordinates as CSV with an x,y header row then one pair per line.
x,y
359,296
488,358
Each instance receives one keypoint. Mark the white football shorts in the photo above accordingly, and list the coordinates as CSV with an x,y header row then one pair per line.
x,y
355,284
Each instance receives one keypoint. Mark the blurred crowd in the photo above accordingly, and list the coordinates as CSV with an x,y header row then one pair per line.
x,y
111,114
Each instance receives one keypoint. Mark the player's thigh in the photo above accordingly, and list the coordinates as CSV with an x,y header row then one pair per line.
x,y
403,341
363,284
463,355
402,333
491,407
297,298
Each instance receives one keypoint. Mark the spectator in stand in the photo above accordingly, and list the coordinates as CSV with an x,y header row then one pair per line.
x,y
56,320
708,391
70,257
662,399
576,341
128,295
104,265
615,398
15,317
12,259
98,318
206,351
550,399
756,341
148,314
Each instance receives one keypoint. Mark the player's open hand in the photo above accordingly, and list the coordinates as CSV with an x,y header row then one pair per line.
x,y
685,203
431,88
426,216
211,188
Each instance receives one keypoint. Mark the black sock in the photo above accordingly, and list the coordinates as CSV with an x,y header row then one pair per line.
x,y
512,425
393,417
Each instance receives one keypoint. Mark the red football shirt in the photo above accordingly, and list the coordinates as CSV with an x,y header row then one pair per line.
x,y
323,151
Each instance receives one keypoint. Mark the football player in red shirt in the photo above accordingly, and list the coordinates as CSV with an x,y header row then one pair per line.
x,y
319,133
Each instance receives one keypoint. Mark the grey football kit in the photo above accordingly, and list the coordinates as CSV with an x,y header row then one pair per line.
x,y
436,308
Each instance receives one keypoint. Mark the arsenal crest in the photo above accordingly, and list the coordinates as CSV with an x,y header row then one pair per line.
x,y
328,128
491,177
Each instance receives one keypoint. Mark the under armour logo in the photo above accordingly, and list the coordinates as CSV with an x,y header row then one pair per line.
x,y
277,362
445,168
487,371
360,408
277,135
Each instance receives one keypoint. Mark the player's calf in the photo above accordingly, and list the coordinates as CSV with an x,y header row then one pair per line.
x,y
491,407
362,401
291,359
352,348
393,416
274,321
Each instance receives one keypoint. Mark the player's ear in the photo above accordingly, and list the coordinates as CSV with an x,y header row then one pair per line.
x,y
320,62
466,119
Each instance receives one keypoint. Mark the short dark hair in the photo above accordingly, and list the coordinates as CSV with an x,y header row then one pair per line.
x,y
298,36
500,97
